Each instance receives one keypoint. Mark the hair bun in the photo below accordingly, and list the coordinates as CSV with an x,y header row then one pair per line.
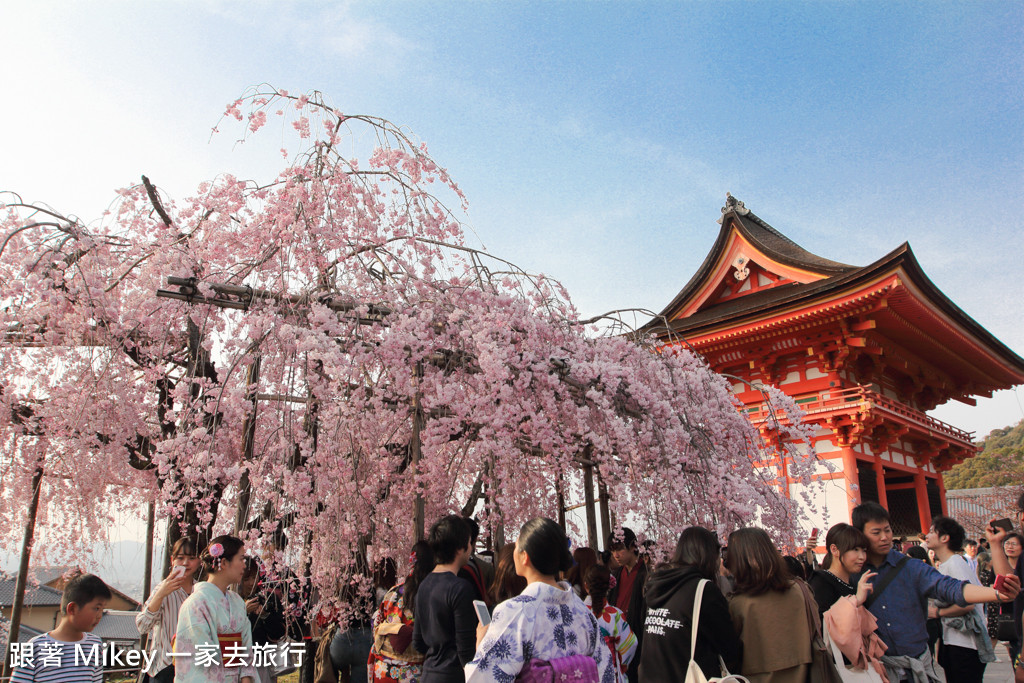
x,y
566,562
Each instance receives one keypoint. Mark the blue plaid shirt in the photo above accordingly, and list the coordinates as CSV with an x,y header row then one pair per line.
x,y
902,608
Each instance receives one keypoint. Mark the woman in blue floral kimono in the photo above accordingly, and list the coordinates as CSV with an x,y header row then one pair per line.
x,y
546,622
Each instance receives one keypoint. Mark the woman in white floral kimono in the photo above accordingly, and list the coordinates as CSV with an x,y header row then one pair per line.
x,y
546,622
214,639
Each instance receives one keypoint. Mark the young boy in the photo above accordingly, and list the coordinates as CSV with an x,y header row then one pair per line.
x,y
966,647
444,628
69,652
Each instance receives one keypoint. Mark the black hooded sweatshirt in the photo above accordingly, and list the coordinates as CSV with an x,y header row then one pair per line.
x,y
670,594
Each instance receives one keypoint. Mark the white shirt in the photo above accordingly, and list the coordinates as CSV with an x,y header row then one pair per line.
x,y
957,567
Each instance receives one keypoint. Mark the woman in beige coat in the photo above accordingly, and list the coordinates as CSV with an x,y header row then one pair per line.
x,y
768,611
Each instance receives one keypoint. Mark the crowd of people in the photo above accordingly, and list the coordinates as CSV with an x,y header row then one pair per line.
x,y
889,609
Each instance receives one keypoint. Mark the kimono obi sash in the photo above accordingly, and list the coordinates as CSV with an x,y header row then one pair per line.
x,y
572,668
224,642
231,646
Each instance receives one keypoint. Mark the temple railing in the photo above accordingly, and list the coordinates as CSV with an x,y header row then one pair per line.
x,y
860,398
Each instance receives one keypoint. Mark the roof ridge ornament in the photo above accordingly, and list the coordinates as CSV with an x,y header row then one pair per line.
x,y
733,204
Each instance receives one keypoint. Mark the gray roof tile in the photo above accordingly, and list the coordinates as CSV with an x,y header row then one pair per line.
x,y
117,625
34,595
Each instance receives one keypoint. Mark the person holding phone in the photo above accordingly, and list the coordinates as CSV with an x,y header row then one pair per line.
x,y
547,623
900,593
996,533
160,616
1012,549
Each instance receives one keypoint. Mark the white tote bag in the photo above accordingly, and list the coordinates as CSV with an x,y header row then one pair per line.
x,y
693,671
846,671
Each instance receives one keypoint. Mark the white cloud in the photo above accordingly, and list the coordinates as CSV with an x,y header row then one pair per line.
x,y
335,27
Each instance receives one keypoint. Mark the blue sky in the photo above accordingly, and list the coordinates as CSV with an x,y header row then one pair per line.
x,y
595,141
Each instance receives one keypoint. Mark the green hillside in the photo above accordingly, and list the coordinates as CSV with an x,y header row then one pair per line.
x,y
1000,462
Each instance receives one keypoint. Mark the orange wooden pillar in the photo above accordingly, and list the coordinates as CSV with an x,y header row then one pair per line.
x,y
923,509
883,498
853,493
942,494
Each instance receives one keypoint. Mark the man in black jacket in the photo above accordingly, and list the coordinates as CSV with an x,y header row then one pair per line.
x,y
628,593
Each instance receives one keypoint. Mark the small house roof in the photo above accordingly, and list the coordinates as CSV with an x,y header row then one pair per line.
x,y
118,625
35,596
44,594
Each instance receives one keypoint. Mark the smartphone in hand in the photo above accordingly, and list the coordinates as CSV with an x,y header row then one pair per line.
x,y
481,612
1004,523
999,583
177,572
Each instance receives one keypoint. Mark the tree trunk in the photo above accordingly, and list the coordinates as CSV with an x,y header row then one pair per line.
x,y
26,553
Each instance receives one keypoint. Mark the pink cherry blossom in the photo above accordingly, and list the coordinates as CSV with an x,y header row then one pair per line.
x,y
349,311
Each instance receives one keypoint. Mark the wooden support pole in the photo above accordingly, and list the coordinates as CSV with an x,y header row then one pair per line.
x,y
415,450
166,568
499,534
26,554
560,497
588,497
147,579
494,512
606,518
252,381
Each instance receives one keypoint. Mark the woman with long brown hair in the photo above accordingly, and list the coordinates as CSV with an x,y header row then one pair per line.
x,y
507,584
584,559
768,611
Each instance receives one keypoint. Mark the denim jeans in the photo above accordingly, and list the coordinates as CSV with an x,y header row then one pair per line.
x,y
349,651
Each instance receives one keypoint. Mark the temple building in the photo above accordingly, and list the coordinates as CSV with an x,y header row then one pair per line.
x,y
865,351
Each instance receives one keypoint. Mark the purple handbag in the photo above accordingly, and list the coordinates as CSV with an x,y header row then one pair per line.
x,y
571,669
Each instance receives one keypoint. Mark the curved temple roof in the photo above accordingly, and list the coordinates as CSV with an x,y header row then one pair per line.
x,y
802,280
